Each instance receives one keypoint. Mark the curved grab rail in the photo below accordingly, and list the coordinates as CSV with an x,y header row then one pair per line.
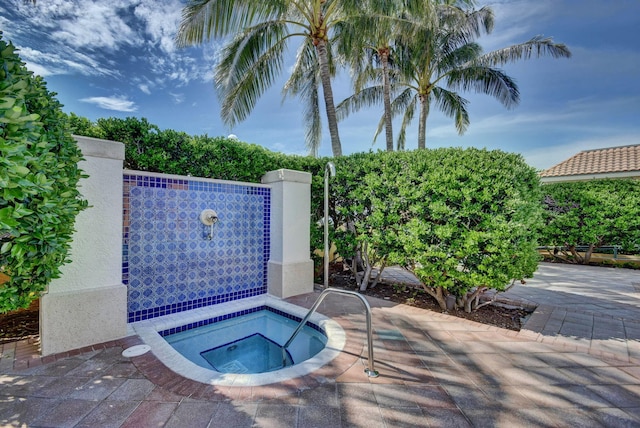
x,y
370,371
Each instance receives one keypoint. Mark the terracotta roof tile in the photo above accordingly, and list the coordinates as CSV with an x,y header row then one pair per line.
x,y
598,161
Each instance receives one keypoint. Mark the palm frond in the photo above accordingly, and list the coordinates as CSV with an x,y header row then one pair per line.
x,y
400,104
406,120
368,76
538,46
312,122
304,83
250,64
367,97
203,20
379,129
458,57
486,80
452,105
469,25
403,101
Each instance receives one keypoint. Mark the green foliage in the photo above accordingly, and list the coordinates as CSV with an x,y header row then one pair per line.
x,y
79,125
39,174
254,57
136,134
433,59
148,148
461,220
592,214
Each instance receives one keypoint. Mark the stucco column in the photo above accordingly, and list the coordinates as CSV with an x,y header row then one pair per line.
x,y
88,303
290,268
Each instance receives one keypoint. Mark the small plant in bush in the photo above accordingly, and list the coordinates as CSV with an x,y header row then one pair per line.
x,y
39,174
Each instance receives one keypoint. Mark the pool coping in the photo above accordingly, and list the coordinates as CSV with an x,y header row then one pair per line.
x,y
148,330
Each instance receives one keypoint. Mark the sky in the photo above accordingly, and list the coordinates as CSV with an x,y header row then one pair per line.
x,y
117,58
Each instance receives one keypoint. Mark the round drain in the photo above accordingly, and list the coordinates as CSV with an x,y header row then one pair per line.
x,y
136,351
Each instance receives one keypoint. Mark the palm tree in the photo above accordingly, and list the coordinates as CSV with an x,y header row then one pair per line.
x,y
255,56
443,58
366,42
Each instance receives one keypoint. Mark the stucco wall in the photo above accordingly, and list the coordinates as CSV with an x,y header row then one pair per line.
x,y
87,305
290,266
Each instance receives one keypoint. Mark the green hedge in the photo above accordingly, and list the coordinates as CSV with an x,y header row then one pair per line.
x,y
461,220
591,214
148,148
39,174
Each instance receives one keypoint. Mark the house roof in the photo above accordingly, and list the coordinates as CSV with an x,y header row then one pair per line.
x,y
609,162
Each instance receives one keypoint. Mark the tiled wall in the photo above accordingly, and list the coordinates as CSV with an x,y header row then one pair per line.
x,y
169,265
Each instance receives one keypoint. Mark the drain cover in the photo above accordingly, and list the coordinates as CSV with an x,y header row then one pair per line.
x,y
136,351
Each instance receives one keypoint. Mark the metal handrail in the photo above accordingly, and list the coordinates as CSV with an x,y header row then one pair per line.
x,y
370,371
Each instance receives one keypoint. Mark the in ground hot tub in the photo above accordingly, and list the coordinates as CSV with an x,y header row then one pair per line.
x,y
240,343
247,342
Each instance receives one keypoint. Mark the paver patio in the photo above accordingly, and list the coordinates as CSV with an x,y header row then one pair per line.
x,y
572,365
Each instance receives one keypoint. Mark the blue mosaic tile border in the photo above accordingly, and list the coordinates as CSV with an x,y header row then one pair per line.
x,y
213,320
168,263
199,303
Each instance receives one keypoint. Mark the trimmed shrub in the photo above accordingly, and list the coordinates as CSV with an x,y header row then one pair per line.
x,y
39,175
591,214
79,125
463,221
148,148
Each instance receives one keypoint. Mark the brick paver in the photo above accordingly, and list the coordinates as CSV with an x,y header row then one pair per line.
x,y
435,370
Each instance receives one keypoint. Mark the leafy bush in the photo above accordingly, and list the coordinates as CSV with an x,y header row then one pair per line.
x,y
591,214
148,148
39,174
79,125
462,221
366,235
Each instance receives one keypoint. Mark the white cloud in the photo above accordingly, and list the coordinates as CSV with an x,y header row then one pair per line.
x,y
112,103
581,115
96,25
162,19
509,120
516,21
145,88
108,37
52,63
177,98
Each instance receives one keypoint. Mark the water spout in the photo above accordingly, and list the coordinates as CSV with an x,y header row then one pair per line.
x,y
209,218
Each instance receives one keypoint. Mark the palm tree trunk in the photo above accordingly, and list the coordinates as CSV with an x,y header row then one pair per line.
x,y
332,120
388,130
422,121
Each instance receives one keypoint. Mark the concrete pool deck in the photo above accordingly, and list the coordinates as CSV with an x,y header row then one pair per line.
x,y
575,363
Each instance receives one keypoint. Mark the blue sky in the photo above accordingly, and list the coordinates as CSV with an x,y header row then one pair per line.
x,y
116,58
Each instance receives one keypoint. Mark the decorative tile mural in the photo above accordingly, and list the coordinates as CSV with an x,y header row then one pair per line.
x,y
170,264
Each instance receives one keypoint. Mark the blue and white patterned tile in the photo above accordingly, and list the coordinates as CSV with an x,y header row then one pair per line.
x,y
165,243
